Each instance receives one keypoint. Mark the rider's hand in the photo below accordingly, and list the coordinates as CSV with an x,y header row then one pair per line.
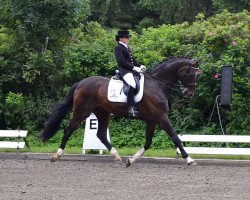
x,y
143,68
138,69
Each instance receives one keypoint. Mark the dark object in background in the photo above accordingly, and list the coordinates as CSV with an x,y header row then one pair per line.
x,y
226,86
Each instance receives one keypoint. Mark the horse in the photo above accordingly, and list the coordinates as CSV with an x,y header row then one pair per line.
x,y
90,96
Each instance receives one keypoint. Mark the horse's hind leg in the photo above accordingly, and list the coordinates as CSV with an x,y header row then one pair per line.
x,y
76,120
103,121
149,136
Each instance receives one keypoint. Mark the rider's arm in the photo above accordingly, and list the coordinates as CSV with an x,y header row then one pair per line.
x,y
137,64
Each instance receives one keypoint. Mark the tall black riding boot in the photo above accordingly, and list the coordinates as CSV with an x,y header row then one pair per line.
x,y
132,112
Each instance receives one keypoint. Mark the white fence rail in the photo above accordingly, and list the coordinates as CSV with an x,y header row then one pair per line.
x,y
218,139
18,134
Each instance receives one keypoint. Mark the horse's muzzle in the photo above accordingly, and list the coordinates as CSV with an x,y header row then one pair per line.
x,y
187,92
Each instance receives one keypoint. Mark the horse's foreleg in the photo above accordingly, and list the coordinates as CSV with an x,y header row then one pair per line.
x,y
116,156
149,136
166,125
103,120
57,155
102,135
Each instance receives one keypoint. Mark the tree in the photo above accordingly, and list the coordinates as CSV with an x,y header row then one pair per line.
x,y
150,13
232,5
38,31
177,11
116,13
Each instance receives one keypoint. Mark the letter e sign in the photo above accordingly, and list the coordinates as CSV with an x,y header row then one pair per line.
x,y
93,124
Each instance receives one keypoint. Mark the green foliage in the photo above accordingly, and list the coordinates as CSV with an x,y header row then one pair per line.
x,y
131,133
91,54
222,40
33,35
37,110
2,103
177,11
239,115
14,111
157,44
118,13
150,13
231,5
33,21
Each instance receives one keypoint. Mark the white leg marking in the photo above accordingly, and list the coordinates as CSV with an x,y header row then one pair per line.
x,y
57,155
60,152
189,160
114,153
137,155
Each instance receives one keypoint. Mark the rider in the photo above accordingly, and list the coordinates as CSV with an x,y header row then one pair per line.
x,y
126,65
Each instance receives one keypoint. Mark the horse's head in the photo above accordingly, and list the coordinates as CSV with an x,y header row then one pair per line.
x,y
174,69
187,74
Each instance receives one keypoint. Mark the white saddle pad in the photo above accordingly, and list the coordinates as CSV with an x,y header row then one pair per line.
x,y
116,94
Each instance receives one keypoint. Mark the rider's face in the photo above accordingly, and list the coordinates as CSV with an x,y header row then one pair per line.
x,y
125,40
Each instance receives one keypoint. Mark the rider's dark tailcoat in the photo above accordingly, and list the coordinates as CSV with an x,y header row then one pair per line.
x,y
125,59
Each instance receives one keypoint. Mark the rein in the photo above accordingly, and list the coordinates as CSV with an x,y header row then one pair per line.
x,y
164,83
181,86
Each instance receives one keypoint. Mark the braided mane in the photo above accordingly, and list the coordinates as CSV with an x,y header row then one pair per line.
x,y
167,60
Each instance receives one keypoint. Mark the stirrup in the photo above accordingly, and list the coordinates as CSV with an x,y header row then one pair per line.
x,y
132,112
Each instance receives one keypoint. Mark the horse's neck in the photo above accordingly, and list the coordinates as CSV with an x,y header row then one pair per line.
x,y
168,73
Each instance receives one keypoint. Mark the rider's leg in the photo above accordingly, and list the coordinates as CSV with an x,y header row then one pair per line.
x,y
129,78
130,101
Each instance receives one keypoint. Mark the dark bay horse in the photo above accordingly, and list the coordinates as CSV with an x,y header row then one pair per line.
x,y
90,95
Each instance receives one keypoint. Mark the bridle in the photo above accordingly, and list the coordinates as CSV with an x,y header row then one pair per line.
x,y
181,86
188,74
186,78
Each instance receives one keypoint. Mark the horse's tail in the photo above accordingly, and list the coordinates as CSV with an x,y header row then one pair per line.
x,y
58,115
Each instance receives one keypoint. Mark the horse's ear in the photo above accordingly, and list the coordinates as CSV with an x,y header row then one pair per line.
x,y
196,63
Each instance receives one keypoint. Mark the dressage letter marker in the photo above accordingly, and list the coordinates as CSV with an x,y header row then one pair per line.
x,y
91,141
93,124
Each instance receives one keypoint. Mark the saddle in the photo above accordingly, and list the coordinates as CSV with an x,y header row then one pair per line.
x,y
118,88
125,87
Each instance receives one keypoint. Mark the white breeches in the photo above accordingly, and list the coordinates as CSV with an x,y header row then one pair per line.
x,y
129,78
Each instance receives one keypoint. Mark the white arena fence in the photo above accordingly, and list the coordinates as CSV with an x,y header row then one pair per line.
x,y
18,143
239,139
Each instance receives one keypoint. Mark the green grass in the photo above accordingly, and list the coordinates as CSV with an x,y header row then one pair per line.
x,y
165,153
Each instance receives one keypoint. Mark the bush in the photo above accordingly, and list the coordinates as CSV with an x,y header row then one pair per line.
x,y
14,111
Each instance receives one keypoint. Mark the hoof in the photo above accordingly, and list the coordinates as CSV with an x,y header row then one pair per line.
x,y
128,162
192,163
54,158
118,161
